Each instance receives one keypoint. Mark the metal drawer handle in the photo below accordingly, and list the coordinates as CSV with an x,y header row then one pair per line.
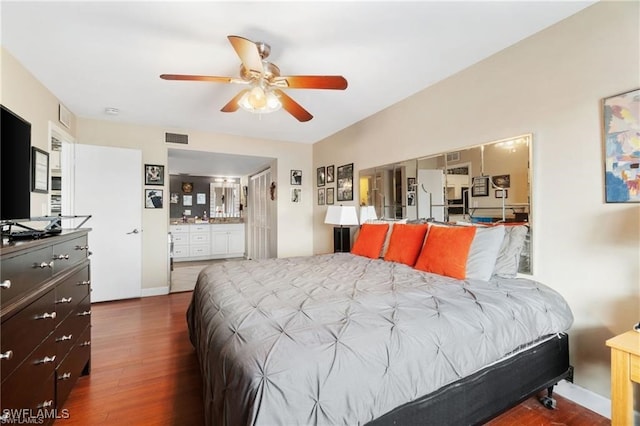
x,y
82,247
87,282
65,376
65,300
46,404
5,284
63,338
46,360
46,315
46,265
84,314
62,257
86,343
7,355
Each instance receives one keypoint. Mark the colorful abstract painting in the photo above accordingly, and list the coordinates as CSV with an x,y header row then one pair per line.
x,y
622,147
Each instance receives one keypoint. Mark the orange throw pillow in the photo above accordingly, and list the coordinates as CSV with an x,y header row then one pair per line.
x,y
405,243
370,240
446,250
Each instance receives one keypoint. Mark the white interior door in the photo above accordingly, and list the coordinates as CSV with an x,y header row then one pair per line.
x,y
108,186
259,219
430,193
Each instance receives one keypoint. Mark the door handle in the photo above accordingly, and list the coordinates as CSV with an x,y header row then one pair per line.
x,y
135,231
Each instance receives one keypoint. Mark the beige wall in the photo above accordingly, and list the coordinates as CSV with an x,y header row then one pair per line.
x,y
27,97
550,85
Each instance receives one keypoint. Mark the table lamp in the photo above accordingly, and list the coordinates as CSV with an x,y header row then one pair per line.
x,y
343,216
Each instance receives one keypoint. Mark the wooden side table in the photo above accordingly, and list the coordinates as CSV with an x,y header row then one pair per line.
x,y
625,369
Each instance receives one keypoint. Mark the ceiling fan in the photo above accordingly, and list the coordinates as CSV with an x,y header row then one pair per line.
x,y
265,93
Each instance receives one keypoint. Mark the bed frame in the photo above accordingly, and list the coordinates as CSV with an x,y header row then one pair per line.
x,y
491,391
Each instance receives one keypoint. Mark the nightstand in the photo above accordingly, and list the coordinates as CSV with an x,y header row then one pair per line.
x,y
625,369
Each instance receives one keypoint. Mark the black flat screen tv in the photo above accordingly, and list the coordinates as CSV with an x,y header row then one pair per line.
x,y
15,163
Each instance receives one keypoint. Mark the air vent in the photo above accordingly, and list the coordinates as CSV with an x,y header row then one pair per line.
x,y
176,138
453,156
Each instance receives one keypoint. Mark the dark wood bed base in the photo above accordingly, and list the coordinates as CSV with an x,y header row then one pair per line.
x,y
489,392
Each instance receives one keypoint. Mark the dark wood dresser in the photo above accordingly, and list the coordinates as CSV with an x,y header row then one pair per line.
x,y
45,331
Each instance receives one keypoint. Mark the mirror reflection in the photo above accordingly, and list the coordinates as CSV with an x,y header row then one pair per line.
x,y
488,183
225,199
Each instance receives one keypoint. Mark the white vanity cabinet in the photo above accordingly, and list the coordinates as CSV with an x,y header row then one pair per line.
x,y
203,241
227,240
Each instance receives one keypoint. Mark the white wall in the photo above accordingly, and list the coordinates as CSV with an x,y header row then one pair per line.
x,y
550,85
27,97
294,235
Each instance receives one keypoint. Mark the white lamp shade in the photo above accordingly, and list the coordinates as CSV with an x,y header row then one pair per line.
x,y
341,215
367,213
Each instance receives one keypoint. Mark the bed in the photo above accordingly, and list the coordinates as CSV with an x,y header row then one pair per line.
x,y
347,339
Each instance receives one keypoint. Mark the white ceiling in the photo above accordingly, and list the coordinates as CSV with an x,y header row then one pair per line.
x,y
94,55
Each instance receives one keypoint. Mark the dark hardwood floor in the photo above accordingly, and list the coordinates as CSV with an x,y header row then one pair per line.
x,y
144,372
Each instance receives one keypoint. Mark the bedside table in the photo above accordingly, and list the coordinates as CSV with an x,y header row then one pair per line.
x,y
625,369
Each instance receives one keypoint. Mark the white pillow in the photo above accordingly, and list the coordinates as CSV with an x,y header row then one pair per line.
x,y
484,252
509,255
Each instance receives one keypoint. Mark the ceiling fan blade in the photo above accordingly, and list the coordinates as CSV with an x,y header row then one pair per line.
x,y
335,82
210,78
232,105
292,107
248,53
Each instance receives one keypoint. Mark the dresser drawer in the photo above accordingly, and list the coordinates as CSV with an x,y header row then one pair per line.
x,y
69,253
199,250
22,273
67,334
180,238
199,238
72,367
70,292
202,228
24,331
32,384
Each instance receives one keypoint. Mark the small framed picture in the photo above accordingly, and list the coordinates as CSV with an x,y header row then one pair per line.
x,y
331,173
321,195
174,198
153,198
321,176
296,194
201,198
39,170
502,181
502,193
187,187
153,174
187,200
330,195
480,186
296,177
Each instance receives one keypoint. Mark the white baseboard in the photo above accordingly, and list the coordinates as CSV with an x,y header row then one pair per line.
x,y
154,291
584,397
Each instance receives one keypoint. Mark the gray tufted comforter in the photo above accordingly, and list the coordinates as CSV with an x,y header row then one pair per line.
x,y
341,339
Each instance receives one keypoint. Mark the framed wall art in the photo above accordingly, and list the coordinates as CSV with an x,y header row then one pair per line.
x,y
153,198
296,194
321,196
331,173
621,133
480,186
501,181
39,170
296,177
345,182
330,195
321,175
153,174
502,193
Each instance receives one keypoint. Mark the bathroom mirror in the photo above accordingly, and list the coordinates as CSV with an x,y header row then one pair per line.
x,y
487,183
225,199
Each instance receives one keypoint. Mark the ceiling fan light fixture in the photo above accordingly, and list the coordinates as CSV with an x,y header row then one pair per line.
x,y
259,101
